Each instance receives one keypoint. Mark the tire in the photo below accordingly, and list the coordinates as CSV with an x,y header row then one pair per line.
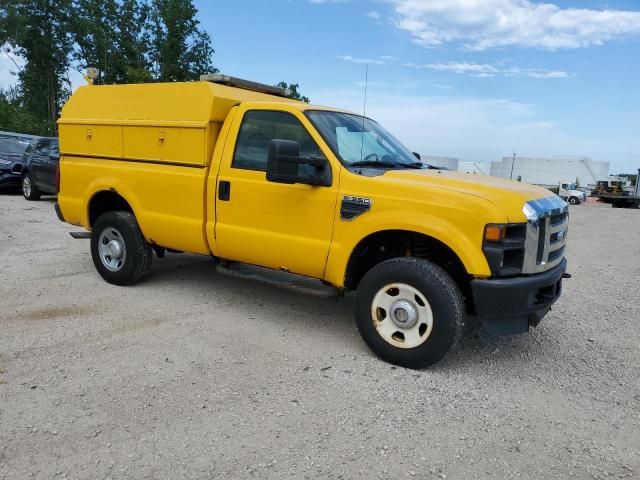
x,y
574,201
427,284
29,190
120,253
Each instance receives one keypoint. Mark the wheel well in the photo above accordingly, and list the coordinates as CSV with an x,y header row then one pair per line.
x,y
106,201
381,246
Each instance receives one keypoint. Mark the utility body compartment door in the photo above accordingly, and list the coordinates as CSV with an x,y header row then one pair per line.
x,y
276,225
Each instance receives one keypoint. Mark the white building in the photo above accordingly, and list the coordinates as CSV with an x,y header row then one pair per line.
x,y
551,170
450,163
479,168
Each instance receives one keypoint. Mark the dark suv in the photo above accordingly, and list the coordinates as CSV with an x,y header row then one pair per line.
x,y
39,166
11,152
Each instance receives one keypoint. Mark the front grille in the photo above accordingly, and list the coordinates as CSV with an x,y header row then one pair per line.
x,y
556,254
546,234
558,218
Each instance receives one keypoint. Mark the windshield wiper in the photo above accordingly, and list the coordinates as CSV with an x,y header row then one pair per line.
x,y
382,164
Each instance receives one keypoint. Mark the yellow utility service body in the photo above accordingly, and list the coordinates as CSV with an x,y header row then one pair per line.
x,y
188,162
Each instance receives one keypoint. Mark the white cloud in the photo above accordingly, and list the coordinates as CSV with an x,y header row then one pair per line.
x,y
485,70
374,61
551,74
373,14
484,24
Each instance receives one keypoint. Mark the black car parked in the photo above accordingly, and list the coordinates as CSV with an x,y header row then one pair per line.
x,y
39,166
11,153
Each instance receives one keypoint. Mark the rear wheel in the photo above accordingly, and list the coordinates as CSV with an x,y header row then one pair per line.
x,y
409,312
29,190
120,253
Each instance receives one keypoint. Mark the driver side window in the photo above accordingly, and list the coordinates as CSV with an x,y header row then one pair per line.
x,y
258,128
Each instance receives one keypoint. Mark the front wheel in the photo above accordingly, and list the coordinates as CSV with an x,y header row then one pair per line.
x,y
409,312
574,201
120,253
29,190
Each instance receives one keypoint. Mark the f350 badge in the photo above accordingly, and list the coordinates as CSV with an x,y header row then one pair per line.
x,y
352,207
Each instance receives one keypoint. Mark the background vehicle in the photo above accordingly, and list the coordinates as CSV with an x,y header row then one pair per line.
x,y
40,163
11,151
610,188
235,170
620,198
569,192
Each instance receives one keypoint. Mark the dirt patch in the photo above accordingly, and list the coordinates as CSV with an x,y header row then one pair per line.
x,y
49,313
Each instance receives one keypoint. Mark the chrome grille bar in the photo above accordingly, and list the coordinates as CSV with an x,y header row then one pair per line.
x,y
547,225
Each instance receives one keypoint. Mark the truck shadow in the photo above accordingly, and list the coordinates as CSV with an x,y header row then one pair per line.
x,y
328,317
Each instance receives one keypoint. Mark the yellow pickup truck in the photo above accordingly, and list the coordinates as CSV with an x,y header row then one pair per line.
x,y
234,169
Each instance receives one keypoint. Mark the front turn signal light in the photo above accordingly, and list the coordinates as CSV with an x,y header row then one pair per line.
x,y
494,233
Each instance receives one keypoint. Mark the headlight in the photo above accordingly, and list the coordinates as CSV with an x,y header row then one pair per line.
x,y
530,213
5,162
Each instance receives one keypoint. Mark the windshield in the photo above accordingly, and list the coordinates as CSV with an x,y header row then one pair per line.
x,y
13,147
359,141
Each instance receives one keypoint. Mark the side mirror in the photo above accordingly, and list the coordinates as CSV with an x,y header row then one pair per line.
x,y
284,165
417,155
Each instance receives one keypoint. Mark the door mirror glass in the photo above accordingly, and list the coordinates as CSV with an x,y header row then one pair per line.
x,y
285,165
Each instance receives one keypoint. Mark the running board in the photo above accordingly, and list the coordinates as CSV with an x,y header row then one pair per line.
x,y
275,278
80,235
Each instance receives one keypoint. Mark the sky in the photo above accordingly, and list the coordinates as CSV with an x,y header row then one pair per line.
x,y
473,79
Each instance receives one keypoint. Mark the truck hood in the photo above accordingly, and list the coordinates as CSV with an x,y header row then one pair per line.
x,y
508,196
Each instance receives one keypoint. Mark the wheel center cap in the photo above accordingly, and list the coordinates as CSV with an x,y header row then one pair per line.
x,y
404,314
115,249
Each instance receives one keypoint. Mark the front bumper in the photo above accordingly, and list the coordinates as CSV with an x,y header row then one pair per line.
x,y
507,306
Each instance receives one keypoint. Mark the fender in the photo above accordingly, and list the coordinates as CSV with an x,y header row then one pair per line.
x,y
468,249
112,184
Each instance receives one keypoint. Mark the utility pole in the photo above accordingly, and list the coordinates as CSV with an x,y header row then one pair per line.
x,y
512,163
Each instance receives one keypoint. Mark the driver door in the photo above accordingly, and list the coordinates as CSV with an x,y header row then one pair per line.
x,y
282,226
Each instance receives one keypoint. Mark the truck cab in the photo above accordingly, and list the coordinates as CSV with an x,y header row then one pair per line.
x,y
238,171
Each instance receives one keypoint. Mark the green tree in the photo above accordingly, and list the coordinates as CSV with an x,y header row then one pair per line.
x,y
128,41
93,30
133,43
14,117
114,37
293,89
36,30
181,50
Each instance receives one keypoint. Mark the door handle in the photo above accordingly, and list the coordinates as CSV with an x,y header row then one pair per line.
x,y
224,190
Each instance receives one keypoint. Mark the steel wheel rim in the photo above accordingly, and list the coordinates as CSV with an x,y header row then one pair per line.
x,y
402,315
111,249
26,186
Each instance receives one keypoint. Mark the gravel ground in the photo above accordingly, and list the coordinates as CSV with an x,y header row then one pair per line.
x,y
196,375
